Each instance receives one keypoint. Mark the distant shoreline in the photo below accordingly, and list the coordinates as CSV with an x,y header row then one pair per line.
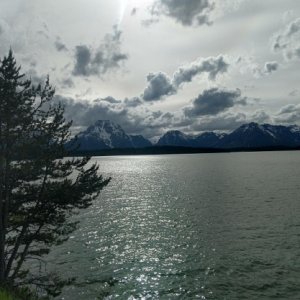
x,y
160,150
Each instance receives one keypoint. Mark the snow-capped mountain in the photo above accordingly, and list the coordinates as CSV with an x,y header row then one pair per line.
x,y
105,134
265,135
175,138
250,135
108,135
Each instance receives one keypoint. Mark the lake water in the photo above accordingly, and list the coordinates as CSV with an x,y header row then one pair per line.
x,y
200,226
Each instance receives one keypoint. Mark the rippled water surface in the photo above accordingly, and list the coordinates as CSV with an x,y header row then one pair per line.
x,y
204,226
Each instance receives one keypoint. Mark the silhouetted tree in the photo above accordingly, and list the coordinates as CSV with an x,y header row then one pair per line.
x,y
39,188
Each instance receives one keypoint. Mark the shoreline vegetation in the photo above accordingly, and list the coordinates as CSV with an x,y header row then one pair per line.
x,y
17,294
160,150
39,191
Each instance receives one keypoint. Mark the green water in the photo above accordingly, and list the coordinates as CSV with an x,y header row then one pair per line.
x,y
204,226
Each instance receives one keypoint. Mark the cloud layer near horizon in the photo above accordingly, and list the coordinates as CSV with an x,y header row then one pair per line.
x,y
199,64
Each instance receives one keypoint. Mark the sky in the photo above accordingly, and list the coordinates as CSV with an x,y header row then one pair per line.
x,y
158,65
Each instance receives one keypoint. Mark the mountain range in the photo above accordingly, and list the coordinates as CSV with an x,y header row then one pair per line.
x,y
105,134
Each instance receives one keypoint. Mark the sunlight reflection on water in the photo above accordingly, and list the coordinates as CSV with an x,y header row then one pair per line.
x,y
208,226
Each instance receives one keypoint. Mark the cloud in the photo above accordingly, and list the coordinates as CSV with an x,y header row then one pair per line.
x,y
107,57
133,102
214,101
186,13
60,46
151,124
67,82
287,41
271,67
290,108
288,114
223,122
160,84
211,65
260,116
84,113
109,99
249,64
133,11
136,120
83,65
228,121
293,93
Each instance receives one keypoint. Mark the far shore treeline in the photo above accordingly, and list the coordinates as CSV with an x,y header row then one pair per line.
x,y
159,150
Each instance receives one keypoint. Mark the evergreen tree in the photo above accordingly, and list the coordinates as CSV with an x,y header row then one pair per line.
x,y
39,188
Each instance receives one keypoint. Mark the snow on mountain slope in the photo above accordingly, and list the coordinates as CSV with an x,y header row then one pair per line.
x,y
174,138
105,134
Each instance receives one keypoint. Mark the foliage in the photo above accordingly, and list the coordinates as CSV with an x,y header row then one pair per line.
x,y
4,295
39,188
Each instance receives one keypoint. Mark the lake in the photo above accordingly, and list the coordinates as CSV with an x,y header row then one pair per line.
x,y
198,226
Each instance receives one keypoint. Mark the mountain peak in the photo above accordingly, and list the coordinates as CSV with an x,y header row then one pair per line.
x,y
105,134
174,138
106,123
249,126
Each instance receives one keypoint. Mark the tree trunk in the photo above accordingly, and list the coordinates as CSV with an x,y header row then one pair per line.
x,y
2,231
2,227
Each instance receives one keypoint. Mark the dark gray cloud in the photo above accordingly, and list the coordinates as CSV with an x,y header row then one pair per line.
x,y
271,66
84,113
83,57
59,45
211,65
150,123
133,102
159,85
288,40
106,58
109,99
157,114
141,121
187,13
288,114
214,101
287,109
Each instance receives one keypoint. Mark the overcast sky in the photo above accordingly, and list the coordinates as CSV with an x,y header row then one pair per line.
x,y
156,65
